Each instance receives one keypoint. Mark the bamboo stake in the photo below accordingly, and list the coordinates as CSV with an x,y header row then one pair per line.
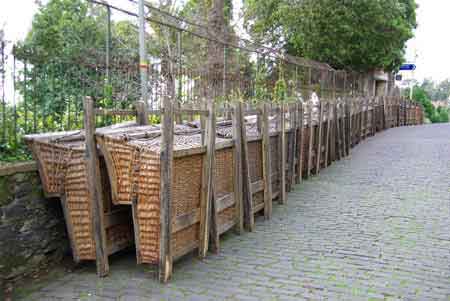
x,y
207,214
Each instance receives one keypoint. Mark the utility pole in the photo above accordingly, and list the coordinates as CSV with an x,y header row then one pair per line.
x,y
143,66
108,43
413,77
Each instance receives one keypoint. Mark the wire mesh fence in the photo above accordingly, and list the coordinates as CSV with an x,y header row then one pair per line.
x,y
97,55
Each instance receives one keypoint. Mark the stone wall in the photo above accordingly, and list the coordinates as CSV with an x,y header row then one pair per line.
x,y
32,228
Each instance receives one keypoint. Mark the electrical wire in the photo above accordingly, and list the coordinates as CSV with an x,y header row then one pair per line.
x,y
209,36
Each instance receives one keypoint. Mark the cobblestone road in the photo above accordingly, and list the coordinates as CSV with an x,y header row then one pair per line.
x,y
374,226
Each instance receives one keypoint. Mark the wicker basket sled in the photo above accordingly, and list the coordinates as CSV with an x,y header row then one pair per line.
x,y
245,180
134,173
62,170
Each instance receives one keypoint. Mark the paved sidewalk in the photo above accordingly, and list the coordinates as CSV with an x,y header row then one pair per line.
x,y
374,226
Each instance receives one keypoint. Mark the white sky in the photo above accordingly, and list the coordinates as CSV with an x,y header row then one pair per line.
x,y
431,43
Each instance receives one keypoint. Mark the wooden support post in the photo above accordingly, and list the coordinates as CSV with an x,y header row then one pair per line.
x,y
352,122
377,115
355,128
406,113
342,130
166,161
327,137
238,174
398,112
379,121
207,210
360,122
349,126
245,206
363,119
367,124
389,111
282,149
380,114
142,113
319,138
366,118
357,123
356,119
338,132
267,170
95,189
300,142
369,118
332,131
372,123
292,146
378,107
372,118
394,112
409,113
311,138
401,112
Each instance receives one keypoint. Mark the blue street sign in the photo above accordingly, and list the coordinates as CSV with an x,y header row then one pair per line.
x,y
408,67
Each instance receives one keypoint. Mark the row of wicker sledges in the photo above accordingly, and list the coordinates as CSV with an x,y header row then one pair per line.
x,y
254,164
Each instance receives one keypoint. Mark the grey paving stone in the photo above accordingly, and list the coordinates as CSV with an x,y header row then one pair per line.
x,y
374,226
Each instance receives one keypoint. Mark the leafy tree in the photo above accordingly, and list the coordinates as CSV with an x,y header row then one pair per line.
x,y
66,55
437,91
434,115
362,35
442,114
65,58
421,96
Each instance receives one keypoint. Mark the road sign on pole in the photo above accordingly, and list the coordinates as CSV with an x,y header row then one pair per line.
x,y
408,67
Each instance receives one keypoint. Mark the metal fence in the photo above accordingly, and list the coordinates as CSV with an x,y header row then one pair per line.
x,y
185,60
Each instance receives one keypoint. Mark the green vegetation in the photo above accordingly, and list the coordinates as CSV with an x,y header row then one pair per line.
x,y
63,57
362,35
431,113
61,60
